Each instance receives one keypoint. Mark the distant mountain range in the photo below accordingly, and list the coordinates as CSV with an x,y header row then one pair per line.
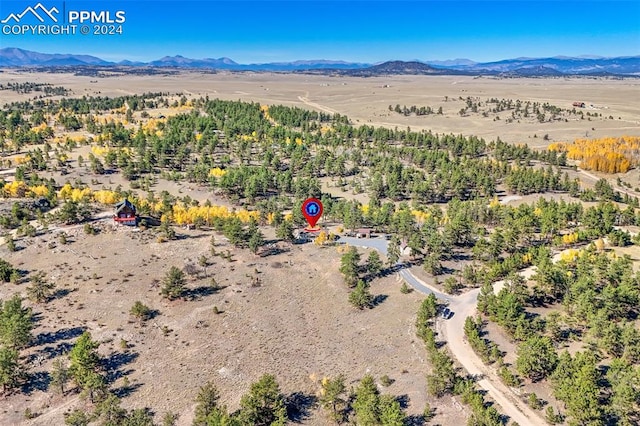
x,y
11,57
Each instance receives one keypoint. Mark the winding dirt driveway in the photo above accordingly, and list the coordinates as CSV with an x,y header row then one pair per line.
x,y
463,306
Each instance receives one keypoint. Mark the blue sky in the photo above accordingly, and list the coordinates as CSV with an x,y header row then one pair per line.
x,y
357,31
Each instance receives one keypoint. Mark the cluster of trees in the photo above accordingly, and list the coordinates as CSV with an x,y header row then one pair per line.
x,y
96,104
230,136
28,86
358,276
501,238
596,297
608,155
109,412
413,109
522,153
527,180
301,118
16,130
233,229
264,404
364,406
20,215
7,271
520,234
487,350
541,111
85,370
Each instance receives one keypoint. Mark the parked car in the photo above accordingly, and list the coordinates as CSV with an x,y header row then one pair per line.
x,y
446,313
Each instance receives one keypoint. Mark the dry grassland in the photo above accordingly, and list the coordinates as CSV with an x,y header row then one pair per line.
x,y
367,100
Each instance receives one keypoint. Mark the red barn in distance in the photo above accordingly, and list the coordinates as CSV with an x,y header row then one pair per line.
x,y
125,213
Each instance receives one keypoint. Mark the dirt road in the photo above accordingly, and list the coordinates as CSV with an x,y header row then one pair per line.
x,y
595,178
322,108
463,306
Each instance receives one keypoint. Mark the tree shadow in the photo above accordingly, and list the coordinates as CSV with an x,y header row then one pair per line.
x,y
60,293
395,268
460,256
414,420
38,380
36,317
273,251
447,270
149,221
22,275
299,406
200,292
113,363
49,352
53,337
124,391
197,236
403,400
440,344
378,299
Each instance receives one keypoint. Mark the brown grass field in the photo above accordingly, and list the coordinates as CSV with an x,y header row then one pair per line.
x,y
366,100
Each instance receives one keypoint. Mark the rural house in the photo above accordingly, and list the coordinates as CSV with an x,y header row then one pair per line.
x,y
363,233
125,213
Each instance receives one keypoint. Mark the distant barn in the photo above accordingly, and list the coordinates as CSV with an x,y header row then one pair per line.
x,y
125,213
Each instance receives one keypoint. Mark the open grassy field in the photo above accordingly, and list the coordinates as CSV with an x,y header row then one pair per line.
x,y
367,100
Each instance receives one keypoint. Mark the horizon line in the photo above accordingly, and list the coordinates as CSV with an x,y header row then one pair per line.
x,y
100,56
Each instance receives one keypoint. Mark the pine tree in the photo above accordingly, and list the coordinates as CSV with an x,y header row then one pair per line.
x,y
365,404
6,270
332,397
84,366
374,264
16,323
349,266
264,404
140,311
361,297
391,413
77,417
59,375
174,283
40,290
537,358
256,240
9,368
208,411
393,251
284,231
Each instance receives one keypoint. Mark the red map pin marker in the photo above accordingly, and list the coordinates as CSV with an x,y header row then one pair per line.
x,y
312,210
